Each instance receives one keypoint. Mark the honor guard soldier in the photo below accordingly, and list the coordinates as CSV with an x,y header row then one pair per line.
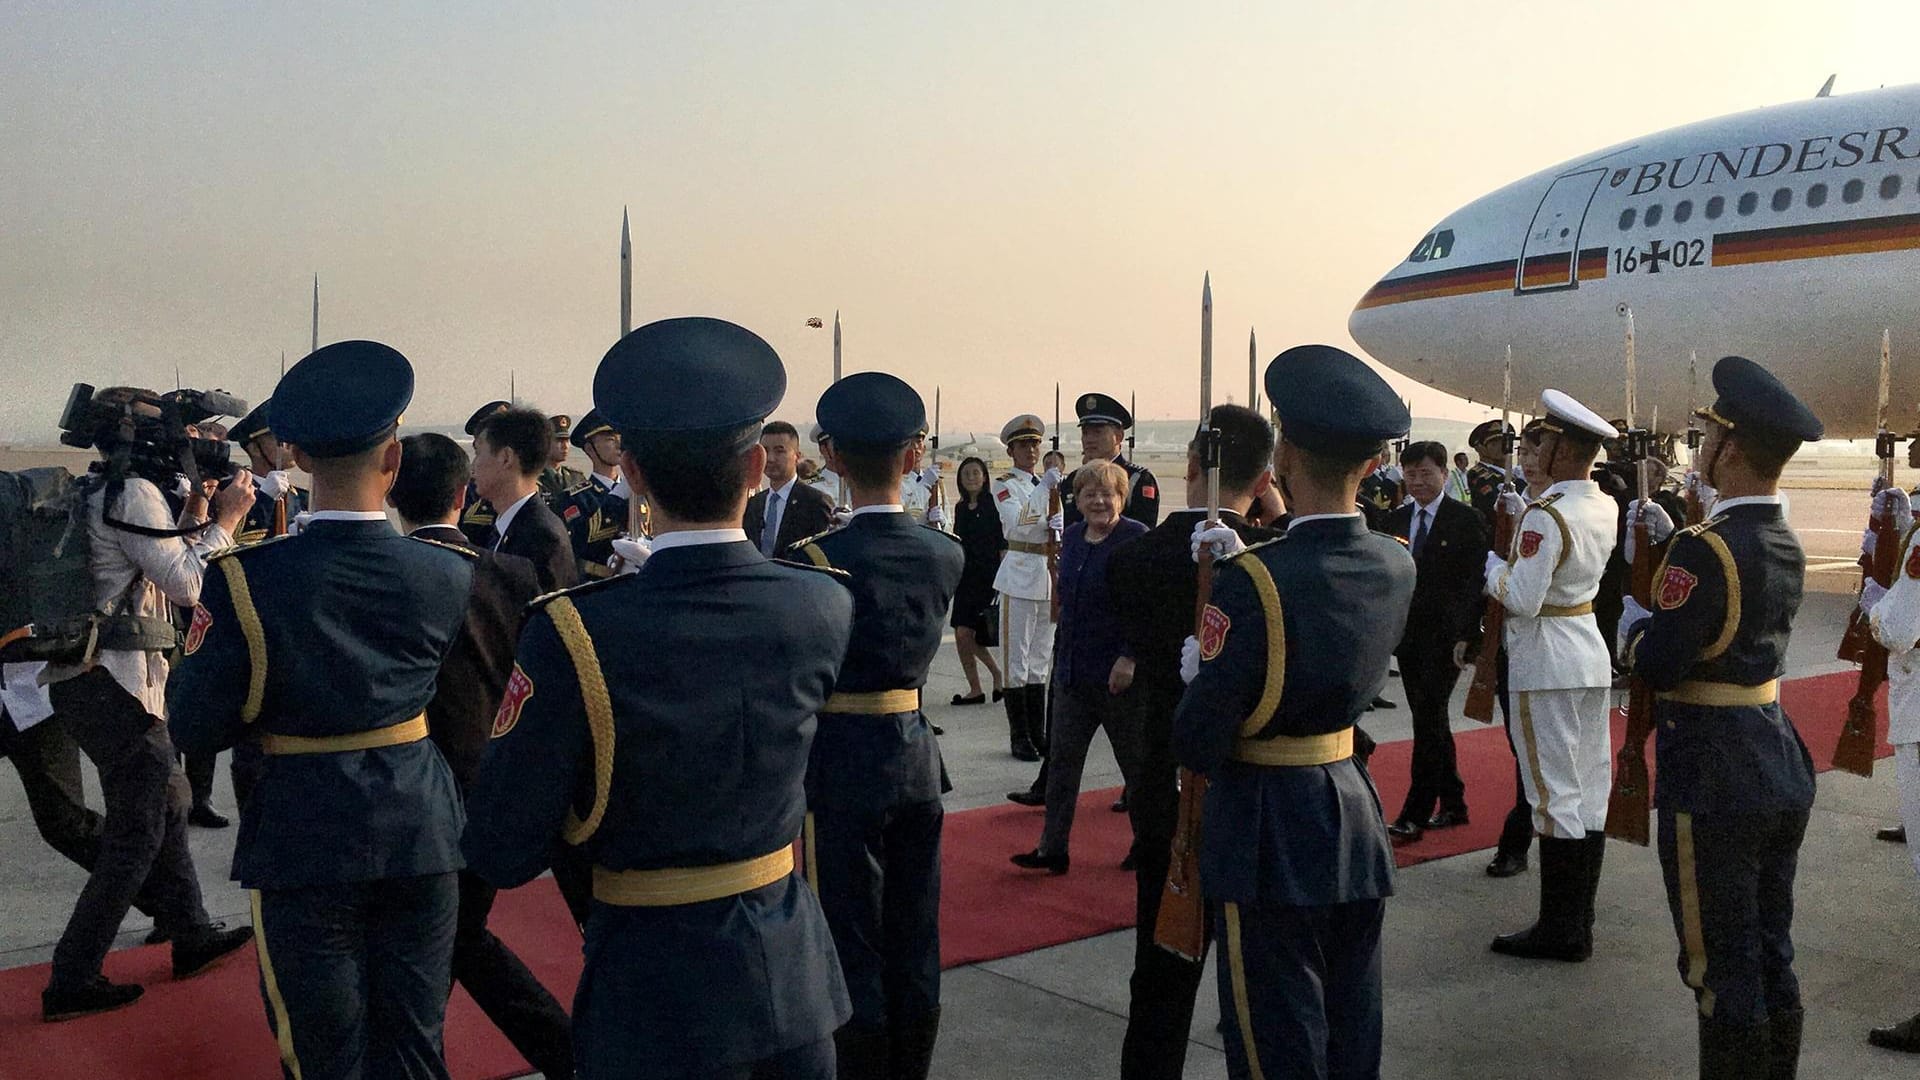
x,y
1492,442
558,479
826,479
477,519
1025,582
595,510
271,479
648,722
1559,676
1104,424
1295,643
1735,781
875,781
325,648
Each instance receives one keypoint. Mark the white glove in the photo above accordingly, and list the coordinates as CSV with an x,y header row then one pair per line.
x,y
930,476
273,484
842,515
299,523
1659,524
1703,492
936,516
1512,504
629,552
1224,541
181,489
1496,563
1189,659
1050,479
1631,615
1894,502
1871,593
1057,522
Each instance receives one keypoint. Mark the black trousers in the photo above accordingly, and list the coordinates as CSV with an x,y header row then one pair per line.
x,y
517,1003
1516,835
1163,986
1300,990
48,761
1730,888
143,836
878,877
1428,674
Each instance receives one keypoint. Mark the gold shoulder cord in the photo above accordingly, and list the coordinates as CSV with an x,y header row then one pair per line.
x,y
1276,646
255,633
599,706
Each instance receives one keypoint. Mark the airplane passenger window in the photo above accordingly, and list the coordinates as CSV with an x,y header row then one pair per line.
x,y
1890,187
1626,218
1852,191
1715,206
1817,195
1682,210
1653,215
1747,203
1782,199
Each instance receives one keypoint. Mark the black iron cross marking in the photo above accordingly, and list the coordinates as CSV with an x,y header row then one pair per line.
x,y
1656,254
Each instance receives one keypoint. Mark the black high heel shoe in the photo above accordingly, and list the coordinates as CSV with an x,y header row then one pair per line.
x,y
964,699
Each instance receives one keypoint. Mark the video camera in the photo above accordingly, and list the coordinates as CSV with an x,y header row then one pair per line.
x,y
146,435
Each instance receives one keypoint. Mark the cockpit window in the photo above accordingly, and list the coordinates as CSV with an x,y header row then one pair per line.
x,y
1433,246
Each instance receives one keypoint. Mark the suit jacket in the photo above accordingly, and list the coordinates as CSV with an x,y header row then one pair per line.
x,y
474,675
1447,601
537,534
809,512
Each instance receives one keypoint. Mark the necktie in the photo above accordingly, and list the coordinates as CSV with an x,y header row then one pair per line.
x,y
491,539
1420,533
770,528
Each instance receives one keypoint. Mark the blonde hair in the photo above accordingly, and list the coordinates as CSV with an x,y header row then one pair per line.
x,y
1104,473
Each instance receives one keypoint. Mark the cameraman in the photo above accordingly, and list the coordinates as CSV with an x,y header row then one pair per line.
x,y
140,560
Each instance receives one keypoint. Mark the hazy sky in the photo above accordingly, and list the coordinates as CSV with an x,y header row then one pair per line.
x,y
995,195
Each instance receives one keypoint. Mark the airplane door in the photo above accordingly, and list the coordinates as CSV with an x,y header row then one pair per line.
x,y
1550,257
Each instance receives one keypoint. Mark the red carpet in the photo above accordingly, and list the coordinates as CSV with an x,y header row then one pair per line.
x,y
214,1025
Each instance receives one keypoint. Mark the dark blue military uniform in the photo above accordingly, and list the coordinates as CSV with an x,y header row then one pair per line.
x,y
595,517
662,721
476,517
258,524
1143,489
1735,781
324,647
1295,856
875,779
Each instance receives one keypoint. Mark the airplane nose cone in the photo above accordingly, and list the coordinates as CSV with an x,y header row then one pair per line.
x,y
1382,329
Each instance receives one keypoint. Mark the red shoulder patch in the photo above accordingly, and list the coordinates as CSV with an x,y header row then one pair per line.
x,y
1148,491
519,689
1214,625
1675,588
570,513
1004,495
1913,563
197,631
1530,544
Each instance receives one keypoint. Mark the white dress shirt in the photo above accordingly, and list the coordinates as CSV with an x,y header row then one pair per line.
x,y
505,518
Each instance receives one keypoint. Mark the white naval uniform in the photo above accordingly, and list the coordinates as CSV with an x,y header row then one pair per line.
x,y
1558,672
1023,581
1896,625
914,497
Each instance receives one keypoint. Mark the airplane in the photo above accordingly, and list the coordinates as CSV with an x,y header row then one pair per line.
x,y
1789,235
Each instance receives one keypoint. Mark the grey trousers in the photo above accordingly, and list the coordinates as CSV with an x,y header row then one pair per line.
x,y
1078,712
143,837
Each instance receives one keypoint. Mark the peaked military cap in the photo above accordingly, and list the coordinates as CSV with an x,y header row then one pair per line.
x,y
1752,400
871,409
343,398
251,426
1024,426
1330,402
562,425
590,425
816,434
480,415
1488,430
1101,409
689,375
1563,415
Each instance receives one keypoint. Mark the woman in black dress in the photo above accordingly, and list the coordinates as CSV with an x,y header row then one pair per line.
x,y
977,523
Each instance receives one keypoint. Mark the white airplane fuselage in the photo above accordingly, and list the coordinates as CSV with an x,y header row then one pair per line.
x,y
1789,235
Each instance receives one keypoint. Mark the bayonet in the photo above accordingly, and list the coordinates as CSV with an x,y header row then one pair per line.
x,y
626,276
316,314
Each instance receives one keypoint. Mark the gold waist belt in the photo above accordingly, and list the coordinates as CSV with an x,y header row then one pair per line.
x,y
407,731
873,703
1557,611
1025,548
689,885
1700,692
1296,749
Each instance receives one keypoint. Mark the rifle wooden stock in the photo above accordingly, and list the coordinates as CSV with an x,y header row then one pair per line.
x,y
279,517
1181,927
1486,664
1860,734
1631,805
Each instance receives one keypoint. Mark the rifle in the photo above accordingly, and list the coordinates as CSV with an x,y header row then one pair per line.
x,y
1181,927
1486,664
933,497
1690,490
1053,507
1630,805
1861,733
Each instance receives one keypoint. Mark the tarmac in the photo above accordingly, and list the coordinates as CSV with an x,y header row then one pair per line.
x,y
1453,1009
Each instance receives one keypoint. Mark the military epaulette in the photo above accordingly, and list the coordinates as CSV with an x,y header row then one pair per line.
x,y
238,548
1251,548
580,487
831,571
1699,527
941,531
815,538
468,552
581,589
1546,501
1005,476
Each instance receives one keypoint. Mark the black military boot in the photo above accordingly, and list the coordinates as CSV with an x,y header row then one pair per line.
x,y
1558,933
1734,1053
1017,741
1593,853
861,1053
912,1047
1039,711
1783,1029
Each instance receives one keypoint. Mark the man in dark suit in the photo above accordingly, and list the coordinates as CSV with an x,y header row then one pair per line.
x,y
796,510
428,494
1449,545
1153,584
510,448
